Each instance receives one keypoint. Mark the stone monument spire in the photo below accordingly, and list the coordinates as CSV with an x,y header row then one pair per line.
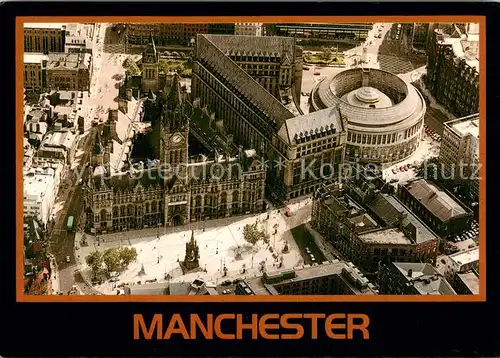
x,y
191,260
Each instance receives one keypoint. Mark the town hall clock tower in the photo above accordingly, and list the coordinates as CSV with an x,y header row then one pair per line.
x,y
174,155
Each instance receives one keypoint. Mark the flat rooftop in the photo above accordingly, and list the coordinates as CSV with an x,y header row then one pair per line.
x,y
425,278
436,200
465,126
466,48
388,208
470,280
466,257
37,181
386,236
34,57
44,25
307,272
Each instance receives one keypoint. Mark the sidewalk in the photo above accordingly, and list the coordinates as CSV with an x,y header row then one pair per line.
x,y
54,275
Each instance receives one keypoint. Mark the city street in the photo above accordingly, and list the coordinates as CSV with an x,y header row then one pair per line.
x,y
61,242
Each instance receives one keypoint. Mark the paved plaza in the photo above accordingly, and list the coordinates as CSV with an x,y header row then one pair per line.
x,y
221,244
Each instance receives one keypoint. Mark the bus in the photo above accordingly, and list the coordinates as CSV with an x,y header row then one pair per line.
x,y
69,226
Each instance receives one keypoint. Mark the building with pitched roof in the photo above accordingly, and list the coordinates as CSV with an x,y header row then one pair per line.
x,y
377,227
181,189
444,213
68,71
239,78
408,278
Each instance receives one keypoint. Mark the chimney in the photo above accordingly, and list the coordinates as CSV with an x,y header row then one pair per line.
x,y
410,273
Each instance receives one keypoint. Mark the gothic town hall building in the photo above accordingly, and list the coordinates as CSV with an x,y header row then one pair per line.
x,y
179,190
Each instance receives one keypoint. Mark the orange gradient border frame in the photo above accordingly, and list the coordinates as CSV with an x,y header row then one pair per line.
x,y
21,297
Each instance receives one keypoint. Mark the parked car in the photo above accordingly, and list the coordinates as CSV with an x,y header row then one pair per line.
x,y
68,259
394,171
305,68
226,292
317,73
308,250
226,283
393,180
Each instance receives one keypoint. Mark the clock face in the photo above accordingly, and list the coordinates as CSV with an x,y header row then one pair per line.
x,y
176,138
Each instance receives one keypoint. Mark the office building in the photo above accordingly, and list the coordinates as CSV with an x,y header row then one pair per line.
x,y
328,278
44,37
453,70
459,153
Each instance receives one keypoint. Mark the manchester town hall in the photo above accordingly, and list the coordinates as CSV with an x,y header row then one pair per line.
x,y
254,145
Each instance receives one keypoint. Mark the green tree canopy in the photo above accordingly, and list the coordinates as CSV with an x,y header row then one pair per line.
x,y
111,259
127,255
252,234
94,260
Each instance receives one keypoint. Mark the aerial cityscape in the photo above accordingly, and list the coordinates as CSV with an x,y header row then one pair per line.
x,y
251,159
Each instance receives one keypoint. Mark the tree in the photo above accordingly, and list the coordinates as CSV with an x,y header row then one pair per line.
x,y
429,169
252,235
326,55
127,255
111,259
94,260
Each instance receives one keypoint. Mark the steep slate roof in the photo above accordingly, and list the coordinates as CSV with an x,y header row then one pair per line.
x,y
124,182
223,170
253,45
389,209
174,97
312,125
208,52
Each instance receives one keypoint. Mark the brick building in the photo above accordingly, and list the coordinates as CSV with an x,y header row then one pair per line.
x,y
69,71
164,33
453,70
329,278
437,208
226,78
44,37
35,71
383,227
404,278
177,191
